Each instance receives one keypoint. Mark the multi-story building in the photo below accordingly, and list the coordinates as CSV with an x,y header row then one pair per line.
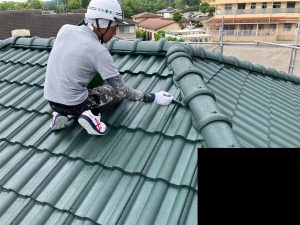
x,y
250,20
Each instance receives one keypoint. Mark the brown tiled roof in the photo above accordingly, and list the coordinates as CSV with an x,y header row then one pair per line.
x,y
33,20
155,23
128,21
146,15
250,20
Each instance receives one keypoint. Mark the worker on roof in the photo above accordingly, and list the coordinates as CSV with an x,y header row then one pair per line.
x,y
76,56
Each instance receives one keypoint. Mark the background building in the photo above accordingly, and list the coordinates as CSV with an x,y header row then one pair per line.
x,y
251,20
166,13
45,24
152,25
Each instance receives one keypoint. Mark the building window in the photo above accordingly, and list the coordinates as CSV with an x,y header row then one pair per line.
x,y
253,6
241,5
272,26
228,6
276,5
287,27
261,26
291,5
264,5
229,27
126,29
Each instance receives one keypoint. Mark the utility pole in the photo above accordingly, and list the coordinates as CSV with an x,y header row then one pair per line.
x,y
221,35
294,50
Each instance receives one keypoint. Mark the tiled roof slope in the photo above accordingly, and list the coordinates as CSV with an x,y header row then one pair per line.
x,y
143,171
39,24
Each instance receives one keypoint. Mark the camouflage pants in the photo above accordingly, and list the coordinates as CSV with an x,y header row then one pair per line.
x,y
100,99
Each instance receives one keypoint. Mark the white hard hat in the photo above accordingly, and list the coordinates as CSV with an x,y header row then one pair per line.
x,y
105,9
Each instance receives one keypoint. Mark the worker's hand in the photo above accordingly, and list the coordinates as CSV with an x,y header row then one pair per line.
x,y
163,98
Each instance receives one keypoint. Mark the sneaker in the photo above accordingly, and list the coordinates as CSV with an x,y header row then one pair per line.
x,y
58,121
91,123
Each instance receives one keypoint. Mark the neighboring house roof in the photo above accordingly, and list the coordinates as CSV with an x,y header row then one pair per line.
x,y
128,22
142,171
155,23
167,10
39,24
145,15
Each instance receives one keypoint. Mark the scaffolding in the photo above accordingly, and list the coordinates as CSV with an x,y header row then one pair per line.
x,y
276,62
293,46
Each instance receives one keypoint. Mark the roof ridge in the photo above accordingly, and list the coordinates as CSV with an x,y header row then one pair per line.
x,y
208,119
160,48
234,61
5,42
29,42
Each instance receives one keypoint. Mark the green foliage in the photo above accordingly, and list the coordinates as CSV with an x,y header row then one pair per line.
x,y
174,39
179,4
206,8
85,3
95,82
211,10
198,24
177,15
155,5
132,7
33,4
11,5
159,35
141,34
74,4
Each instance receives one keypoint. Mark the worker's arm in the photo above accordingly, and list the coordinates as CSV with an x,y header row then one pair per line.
x,y
117,82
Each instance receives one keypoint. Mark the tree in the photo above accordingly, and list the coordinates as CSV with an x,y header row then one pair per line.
x,y
159,35
177,15
11,5
85,3
141,34
211,10
179,4
33,4
73,4
206,8
132,7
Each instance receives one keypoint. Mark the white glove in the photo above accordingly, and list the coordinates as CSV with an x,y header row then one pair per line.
x,y
163,98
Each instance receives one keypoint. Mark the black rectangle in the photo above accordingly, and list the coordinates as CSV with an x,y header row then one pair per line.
x,y
258,186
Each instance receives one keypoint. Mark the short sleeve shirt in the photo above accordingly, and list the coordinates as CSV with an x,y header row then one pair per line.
x,y
77,55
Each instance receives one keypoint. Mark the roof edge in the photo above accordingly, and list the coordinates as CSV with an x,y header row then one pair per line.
x,y
232,60
30,42
155,48
5,42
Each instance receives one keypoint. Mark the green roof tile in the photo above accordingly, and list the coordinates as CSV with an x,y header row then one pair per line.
x,y
144,169
145,160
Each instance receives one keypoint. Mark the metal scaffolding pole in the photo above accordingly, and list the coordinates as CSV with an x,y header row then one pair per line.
x,y
294,50
221,35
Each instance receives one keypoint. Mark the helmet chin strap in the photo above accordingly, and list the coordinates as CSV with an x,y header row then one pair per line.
x,y
102,35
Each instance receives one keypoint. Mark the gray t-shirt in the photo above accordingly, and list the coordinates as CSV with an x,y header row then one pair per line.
x,y
77,55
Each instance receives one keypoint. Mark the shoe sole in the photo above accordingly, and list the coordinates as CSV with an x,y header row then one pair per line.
x,y
87,126
60,123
